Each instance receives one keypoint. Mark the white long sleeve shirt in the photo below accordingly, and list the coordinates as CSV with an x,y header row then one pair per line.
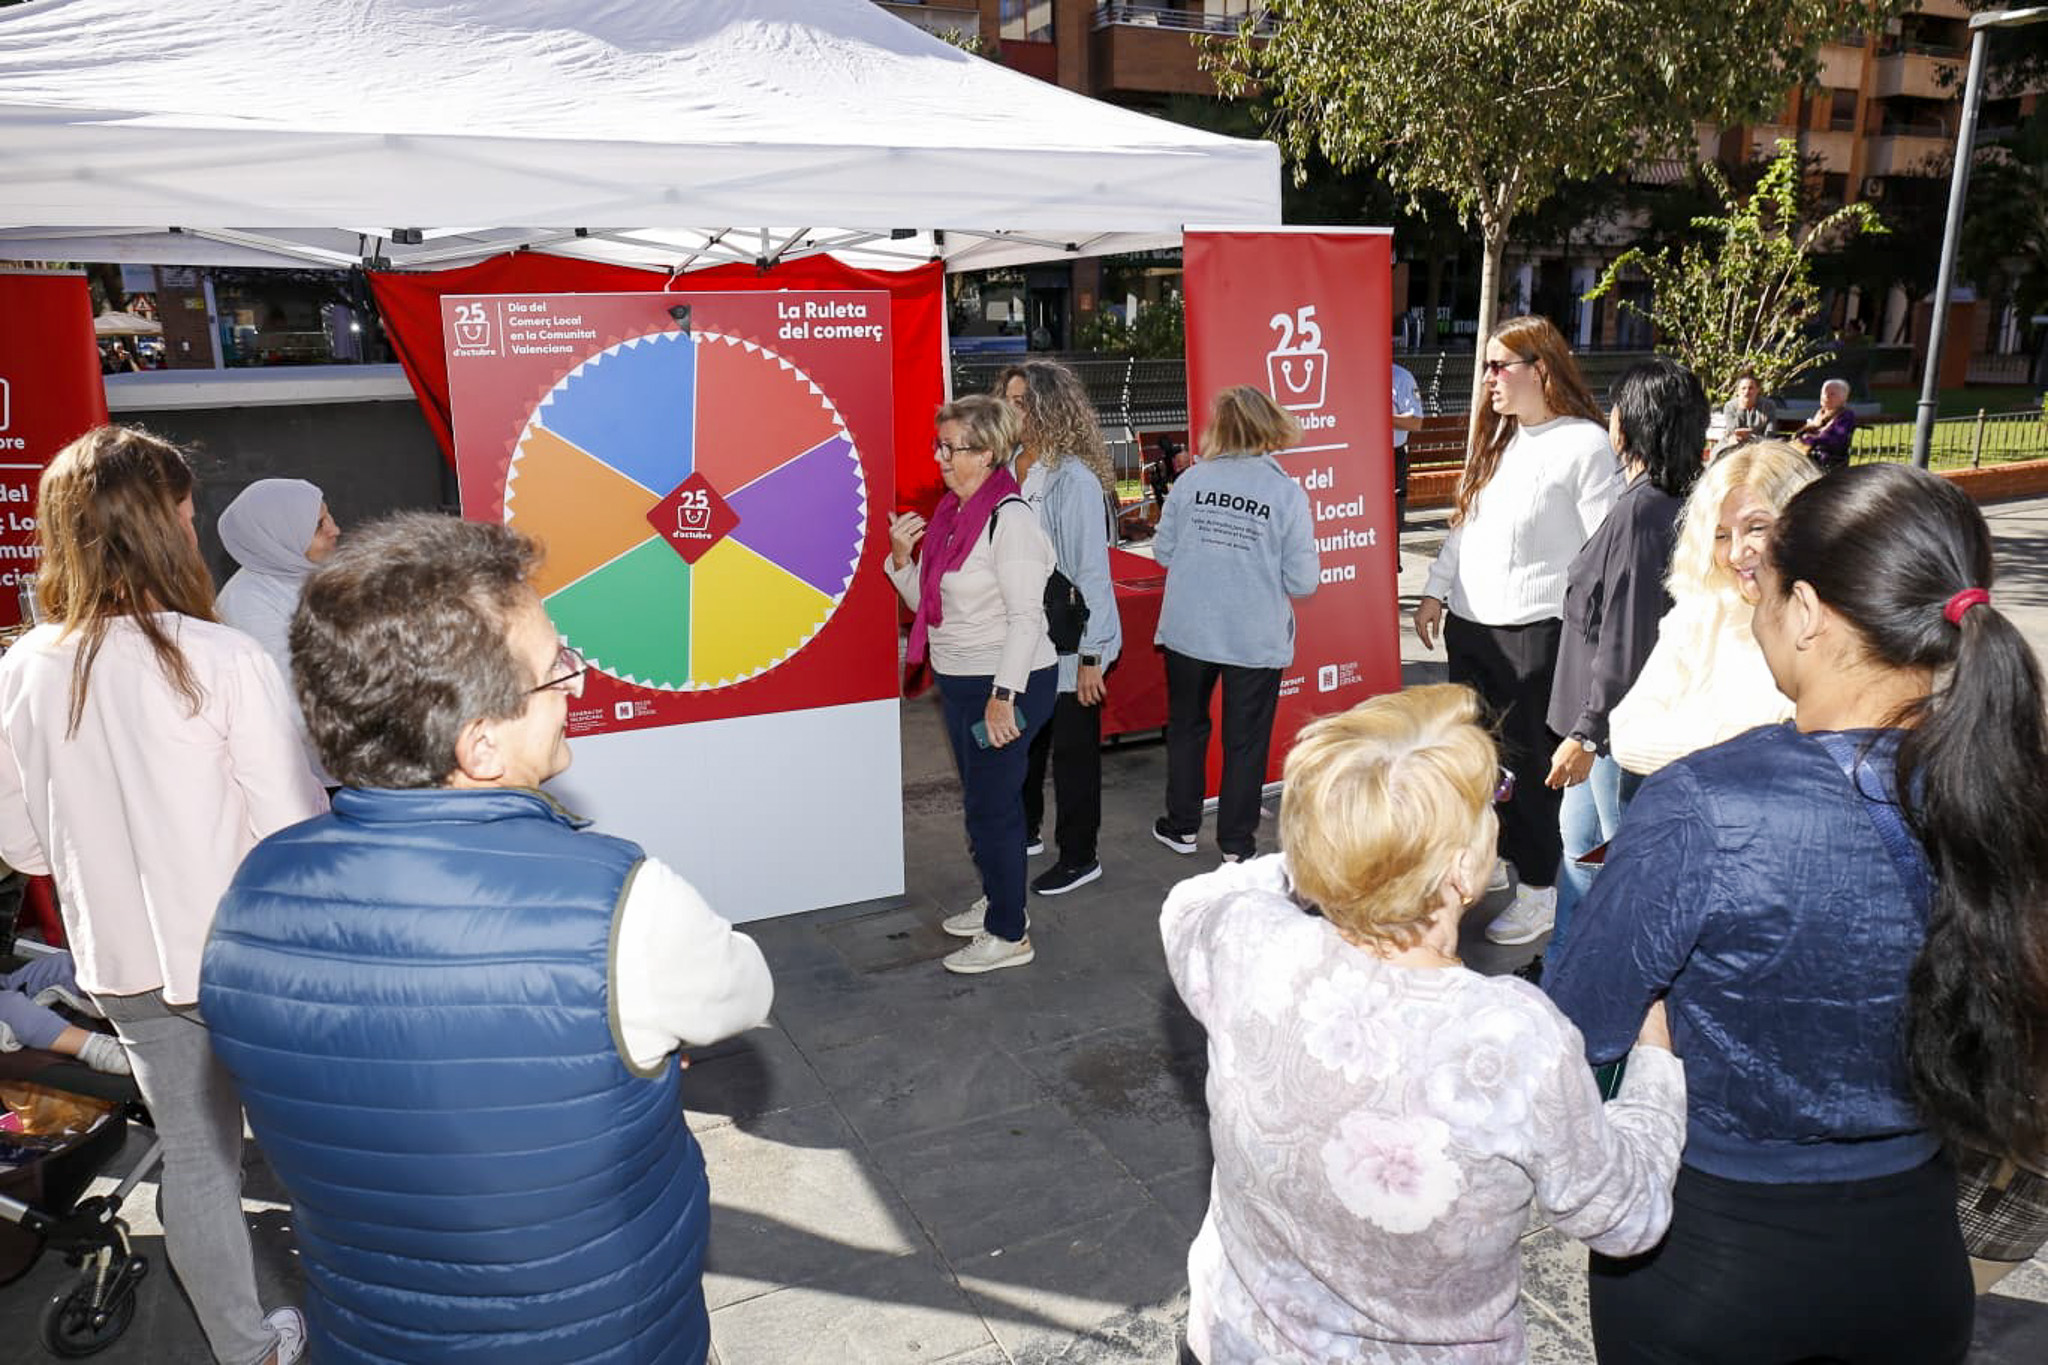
x,y
1505,563
685,977
993,604
1705,682
143,816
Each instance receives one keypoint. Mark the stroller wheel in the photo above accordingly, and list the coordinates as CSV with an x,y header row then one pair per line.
x,y
70,1328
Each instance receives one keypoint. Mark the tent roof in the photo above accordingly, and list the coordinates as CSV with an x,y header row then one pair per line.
x,y
657,127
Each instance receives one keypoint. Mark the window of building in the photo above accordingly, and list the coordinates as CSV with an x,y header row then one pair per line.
x,y
1028,21
1842,110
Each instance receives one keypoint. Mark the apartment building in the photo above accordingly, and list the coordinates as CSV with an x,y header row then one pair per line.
x,y
1885,106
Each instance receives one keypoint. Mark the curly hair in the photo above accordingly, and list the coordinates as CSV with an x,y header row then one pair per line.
x,y
1059,421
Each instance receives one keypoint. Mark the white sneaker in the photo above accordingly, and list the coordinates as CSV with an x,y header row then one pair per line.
x,y
291,1334
988,953
1528,919
967,923
1501,880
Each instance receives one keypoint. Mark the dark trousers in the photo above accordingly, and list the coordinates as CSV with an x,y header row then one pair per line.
x,y
1510,667
1250,696
992,787
1072,746
1862,1272
1401,484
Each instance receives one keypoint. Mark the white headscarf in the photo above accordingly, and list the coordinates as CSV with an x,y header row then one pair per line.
x,y
269,525
267,529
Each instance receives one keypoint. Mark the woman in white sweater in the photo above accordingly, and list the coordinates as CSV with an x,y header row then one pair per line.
x,y
1705,681
1538,482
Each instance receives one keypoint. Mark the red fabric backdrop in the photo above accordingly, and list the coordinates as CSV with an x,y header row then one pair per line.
x,y
411,304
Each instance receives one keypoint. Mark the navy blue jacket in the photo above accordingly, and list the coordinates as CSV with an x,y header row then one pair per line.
x,y
413,994
1748,881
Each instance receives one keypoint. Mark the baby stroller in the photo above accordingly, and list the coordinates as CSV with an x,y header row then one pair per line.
x,y
39,1194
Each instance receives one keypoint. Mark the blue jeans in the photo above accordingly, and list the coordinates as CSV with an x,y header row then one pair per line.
x,y
992,786
1587,818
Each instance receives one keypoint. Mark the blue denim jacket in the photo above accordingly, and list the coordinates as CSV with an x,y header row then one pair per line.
x,y
1748,885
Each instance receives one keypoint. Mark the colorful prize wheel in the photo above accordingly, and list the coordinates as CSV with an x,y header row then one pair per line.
x,y
702,506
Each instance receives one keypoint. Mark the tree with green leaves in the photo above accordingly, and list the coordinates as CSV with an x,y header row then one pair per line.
x,y
1743,299
1496,103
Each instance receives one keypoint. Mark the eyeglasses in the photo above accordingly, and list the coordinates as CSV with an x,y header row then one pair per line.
x,y
947,451
1504,790
570,668
1494,368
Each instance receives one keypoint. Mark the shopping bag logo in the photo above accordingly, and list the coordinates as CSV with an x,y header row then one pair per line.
x,y
1298,369
472,325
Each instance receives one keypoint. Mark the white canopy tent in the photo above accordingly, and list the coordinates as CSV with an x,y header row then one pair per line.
x,y
668,133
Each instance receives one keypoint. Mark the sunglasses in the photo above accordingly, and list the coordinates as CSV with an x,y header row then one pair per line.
x,y
1495,368
1504,790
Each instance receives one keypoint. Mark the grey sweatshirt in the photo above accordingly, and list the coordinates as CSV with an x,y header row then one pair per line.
x,y
1071,509
1237,541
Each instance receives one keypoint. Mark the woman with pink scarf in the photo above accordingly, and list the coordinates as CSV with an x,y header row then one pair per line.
x,y
978,591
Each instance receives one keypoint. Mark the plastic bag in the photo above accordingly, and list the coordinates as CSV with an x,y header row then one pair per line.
x,y
37,1109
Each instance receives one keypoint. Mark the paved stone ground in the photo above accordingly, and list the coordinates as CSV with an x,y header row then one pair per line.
x,y
913,1167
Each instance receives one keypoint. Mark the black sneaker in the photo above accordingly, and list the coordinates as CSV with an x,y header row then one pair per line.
x,y
1033,845
1179,843
1061,878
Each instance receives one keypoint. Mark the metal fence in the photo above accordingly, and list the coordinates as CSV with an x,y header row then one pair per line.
x,y
1170,17
1130,397
1959,442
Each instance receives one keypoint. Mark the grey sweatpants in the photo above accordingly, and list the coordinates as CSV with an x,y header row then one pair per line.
x,y
199,1117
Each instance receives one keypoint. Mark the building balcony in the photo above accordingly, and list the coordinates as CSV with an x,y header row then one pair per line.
x,y
1916,74
1834,150
1944,9
957,20
1841,65
1908,153
1152,49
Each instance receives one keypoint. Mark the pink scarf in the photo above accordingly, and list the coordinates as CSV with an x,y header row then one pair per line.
x,y
948,539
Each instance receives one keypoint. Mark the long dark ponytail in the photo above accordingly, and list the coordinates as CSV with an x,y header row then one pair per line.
x,y
1889,548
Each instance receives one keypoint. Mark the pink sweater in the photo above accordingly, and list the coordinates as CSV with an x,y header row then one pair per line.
x,y
144,814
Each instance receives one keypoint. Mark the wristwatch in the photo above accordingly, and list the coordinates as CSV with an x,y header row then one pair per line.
x,y
1588,745
1091,661
1001,693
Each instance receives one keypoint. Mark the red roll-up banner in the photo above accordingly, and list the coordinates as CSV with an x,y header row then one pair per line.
x,y
1306,314
50,395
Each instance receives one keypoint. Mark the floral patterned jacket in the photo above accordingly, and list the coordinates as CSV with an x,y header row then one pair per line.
x,y
1380,1134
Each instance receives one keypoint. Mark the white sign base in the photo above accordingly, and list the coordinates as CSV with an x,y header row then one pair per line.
x,y
765,815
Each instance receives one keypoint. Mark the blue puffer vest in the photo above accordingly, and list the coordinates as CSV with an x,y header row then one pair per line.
x,y
413,993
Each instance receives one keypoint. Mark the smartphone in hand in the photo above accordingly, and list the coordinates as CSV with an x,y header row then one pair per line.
x,y
980,729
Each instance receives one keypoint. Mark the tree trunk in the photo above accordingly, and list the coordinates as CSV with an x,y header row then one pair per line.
x,y
1495,236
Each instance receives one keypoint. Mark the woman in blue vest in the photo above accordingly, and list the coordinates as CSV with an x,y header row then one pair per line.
x,y
1847,918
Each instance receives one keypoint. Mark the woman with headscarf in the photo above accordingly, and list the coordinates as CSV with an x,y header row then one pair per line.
x,y
277,530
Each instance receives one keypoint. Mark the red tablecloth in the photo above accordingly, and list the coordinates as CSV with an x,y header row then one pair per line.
x,y
1137,685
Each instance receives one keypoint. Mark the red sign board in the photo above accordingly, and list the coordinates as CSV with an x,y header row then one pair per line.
x,y
710,475
1306,315
51,393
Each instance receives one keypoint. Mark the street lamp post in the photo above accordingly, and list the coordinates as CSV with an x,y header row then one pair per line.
x,y
1958,187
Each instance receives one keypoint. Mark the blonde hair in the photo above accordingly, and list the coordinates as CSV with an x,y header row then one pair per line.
x,y
1378,801
114,545
1773,470
991,424
1244,421
1538,341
